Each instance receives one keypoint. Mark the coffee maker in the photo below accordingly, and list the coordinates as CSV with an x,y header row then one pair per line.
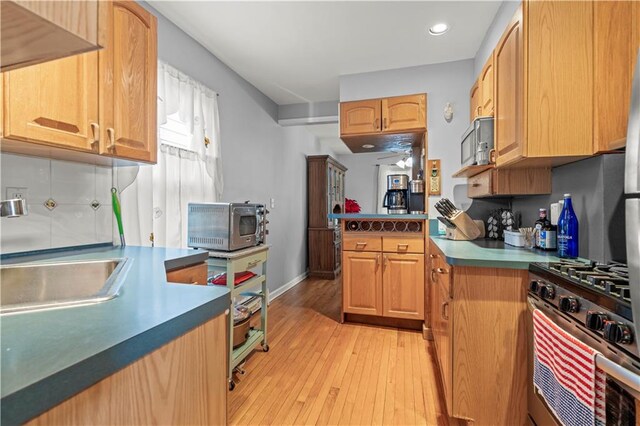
x,y
396,200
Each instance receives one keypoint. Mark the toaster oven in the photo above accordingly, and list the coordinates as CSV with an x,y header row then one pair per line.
x,y
225,226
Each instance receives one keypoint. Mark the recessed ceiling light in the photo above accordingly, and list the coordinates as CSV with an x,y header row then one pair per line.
x,y
368,146
438,29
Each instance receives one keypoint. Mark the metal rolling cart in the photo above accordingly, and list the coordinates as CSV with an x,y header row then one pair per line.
x,y
240,261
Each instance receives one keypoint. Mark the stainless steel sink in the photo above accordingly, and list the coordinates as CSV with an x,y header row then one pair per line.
x,y
38,286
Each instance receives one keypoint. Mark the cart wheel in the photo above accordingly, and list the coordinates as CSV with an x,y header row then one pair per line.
x,y
265,348
232,385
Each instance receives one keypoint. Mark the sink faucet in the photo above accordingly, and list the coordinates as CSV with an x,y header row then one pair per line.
x,y
13,208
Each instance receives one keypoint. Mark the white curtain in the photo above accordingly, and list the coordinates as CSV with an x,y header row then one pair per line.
x,y
189,167
385,170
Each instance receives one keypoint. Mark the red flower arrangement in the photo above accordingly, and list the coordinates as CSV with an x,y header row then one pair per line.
x,y
351,206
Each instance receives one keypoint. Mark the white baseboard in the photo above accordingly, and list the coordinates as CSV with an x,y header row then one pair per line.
x,y
282,289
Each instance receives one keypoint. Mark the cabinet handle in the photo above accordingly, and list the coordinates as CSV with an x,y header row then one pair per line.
x,y
443,310
475,184
433,256
377,262
403,247
386,262
252,264
111,134
95,129
384,121
441,270
376,124
361,244
479,110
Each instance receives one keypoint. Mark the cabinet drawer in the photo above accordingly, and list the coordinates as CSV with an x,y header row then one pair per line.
x,y
250,262
361,243
402,245
194,274
480,185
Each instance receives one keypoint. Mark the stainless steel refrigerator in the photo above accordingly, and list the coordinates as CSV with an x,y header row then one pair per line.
x,y
632,194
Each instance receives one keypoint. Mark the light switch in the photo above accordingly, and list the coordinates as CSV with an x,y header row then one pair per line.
x,y
272,203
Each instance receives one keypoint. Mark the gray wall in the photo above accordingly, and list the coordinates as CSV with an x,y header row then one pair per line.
x,y
596,187
446,82
362,178
503,16
261,159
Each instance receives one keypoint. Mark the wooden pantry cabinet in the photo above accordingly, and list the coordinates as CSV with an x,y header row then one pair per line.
x,y
33,32
562,81
384,275
94,103
477,321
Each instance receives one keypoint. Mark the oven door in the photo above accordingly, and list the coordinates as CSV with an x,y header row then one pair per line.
x,y
244,227
623,385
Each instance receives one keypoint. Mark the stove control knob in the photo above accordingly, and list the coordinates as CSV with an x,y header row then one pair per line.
x,y
617,332
595,320
569,304
533,286
546,291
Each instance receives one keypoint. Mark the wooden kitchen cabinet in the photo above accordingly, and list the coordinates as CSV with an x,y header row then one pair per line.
x,y
33,32
475,104
362,283
509,182
359,117
486,88
128,84
479,330
403,113
403,285
182,382
192,274
615,47
95,103
54,103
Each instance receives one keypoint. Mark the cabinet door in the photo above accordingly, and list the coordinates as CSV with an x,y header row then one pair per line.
x,y
54,103
615,52
128,92
404,113
360,117
445,343
475,101
403,286
362,283
486,87
509,91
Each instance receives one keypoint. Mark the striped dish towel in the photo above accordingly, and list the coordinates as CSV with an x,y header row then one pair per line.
x,y
566,376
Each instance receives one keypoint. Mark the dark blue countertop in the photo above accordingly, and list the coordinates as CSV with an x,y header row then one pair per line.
x,y
49,356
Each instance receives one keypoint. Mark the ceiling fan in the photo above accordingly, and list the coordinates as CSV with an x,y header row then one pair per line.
x,y
405,161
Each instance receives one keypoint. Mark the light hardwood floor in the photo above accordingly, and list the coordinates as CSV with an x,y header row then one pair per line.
x,y
319,371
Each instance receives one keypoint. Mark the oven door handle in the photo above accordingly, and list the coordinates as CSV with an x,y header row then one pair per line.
x,y
630,379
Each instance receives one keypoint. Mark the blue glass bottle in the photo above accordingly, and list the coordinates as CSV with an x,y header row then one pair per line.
x,y
568,230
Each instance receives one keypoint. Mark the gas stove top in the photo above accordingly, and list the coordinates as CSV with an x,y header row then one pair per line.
x,y
611,279
597,296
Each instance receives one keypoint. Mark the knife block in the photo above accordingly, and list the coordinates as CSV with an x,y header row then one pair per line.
x,y
466,228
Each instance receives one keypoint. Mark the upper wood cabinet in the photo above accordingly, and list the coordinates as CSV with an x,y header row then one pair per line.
x,y
509,90
94,103
362,283
475,104
486,88
54,103
383,123
360,117
562,81
128,90
615,47
404,113
37,31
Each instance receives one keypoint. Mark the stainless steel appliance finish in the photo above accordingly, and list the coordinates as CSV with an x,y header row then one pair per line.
x,y
225,226
416,186
479,133
397,182
13,208
31,286
632,194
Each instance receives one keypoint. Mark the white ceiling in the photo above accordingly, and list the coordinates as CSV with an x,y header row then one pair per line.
x,y
295,51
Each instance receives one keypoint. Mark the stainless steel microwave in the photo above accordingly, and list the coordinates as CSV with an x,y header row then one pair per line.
x,y
478,135
225,226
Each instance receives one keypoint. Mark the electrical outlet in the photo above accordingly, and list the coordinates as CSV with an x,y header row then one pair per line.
x,y
273,203
16,192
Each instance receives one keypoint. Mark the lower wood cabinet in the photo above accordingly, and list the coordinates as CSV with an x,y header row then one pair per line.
x,y
383,283
192,274
478,324
182,382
